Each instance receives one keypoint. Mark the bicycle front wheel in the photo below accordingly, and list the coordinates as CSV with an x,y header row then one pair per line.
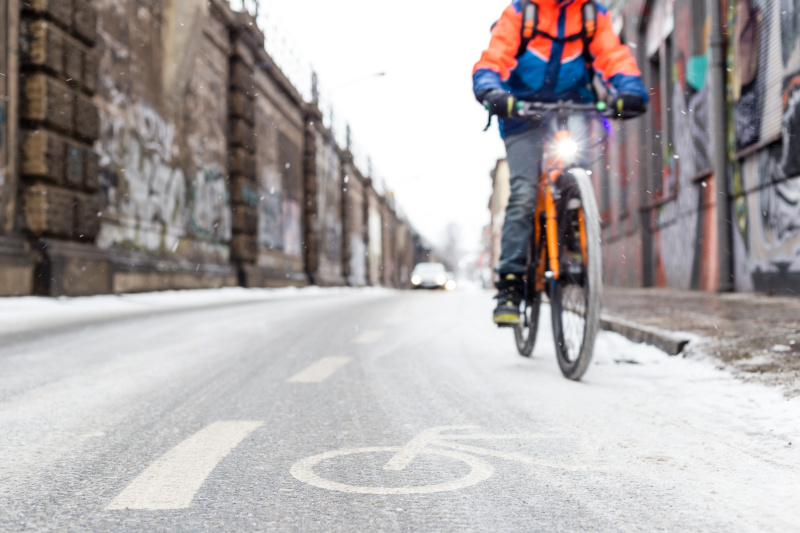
x,y
525,332
575,298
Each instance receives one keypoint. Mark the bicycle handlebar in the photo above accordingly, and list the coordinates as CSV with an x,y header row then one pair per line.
x,y
532,109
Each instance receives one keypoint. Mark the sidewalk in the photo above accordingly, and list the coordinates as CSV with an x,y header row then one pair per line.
x,y
754,335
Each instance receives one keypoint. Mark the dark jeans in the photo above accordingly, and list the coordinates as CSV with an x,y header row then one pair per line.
x,y
524,155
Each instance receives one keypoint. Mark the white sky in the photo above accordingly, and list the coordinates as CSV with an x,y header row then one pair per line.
x,y
420,124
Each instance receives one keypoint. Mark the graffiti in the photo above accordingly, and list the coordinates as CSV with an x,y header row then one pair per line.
x,y
211,215
748,86
270,221
2,123
150,204
767,243
790,128
329,193
781,209
146,191
358,255
682,220
790,28
375,229
333,233
292,229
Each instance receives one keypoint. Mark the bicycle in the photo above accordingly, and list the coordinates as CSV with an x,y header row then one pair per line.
x,y
564,251
434,442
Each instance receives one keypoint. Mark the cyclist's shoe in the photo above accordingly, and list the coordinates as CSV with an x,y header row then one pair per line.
x,y
509,296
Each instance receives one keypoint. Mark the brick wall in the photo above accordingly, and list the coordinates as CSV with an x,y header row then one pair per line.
x,y
59,188
355,234
160,147
323,207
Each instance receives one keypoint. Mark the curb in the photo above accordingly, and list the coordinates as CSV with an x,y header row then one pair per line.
x,y
671,343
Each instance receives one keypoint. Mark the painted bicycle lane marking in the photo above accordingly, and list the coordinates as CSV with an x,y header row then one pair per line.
x,y
434,442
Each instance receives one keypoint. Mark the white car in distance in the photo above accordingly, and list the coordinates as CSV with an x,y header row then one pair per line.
x,y
430,276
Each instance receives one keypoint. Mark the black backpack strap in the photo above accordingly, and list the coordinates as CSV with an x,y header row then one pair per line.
x,y
589,12
530,24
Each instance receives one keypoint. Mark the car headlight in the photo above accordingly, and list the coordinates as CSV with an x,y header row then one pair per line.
x,y
416,280
566,148
441,280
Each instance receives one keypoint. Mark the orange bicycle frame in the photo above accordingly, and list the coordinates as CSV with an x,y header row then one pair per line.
x,y
546,205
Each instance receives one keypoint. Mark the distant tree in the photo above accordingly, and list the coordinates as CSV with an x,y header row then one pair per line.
x,y
451,246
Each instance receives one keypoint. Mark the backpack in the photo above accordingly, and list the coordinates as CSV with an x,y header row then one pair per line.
x,y
530,29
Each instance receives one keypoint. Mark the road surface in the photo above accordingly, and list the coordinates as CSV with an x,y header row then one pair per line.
x,y
364,411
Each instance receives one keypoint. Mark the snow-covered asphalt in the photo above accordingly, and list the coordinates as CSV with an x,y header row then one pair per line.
x,y
373,410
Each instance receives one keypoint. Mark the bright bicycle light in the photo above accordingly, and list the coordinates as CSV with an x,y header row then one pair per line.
x,y
566,148
416,280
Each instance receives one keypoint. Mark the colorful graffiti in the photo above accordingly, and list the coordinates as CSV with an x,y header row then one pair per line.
x,y
683,219
748,81
765,184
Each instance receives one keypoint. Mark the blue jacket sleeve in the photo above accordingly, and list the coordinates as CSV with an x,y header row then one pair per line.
x,y
485,80
624,84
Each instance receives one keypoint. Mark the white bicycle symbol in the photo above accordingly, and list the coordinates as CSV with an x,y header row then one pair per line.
x,y
430,441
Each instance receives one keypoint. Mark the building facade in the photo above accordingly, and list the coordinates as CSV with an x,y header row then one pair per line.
x,y
157,145
703,192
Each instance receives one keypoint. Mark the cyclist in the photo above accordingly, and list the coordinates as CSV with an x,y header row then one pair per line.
x,y
545,51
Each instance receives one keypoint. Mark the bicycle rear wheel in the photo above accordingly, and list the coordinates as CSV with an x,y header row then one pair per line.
x,y
575,298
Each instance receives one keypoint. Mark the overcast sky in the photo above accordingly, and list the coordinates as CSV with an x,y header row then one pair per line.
x,y
420,124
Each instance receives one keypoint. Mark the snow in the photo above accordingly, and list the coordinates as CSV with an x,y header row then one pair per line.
x,y
18,315
736,442
781,348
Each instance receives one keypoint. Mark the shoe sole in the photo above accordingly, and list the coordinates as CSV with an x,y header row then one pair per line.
x,y
507,320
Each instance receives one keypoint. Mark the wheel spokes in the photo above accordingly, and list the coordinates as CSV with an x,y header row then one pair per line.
x,y
573,319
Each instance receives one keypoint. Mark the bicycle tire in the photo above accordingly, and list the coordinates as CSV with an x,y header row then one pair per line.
x,y
574,334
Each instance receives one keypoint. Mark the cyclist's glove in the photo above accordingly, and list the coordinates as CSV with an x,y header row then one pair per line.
x,y
627,106
501,103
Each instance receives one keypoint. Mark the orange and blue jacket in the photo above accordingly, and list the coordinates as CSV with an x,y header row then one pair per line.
x,y
554,69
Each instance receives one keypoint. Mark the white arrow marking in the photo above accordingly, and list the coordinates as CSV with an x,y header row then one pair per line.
x,y
173,480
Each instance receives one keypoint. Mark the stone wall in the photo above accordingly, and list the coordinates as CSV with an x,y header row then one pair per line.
x,y
374,222
356,235
167,218
59,188
324,207
160,147
16,263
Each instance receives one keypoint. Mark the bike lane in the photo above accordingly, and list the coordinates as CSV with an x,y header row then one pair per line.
x,y
635,444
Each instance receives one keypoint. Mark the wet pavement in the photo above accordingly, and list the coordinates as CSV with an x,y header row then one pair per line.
x,y
369,411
